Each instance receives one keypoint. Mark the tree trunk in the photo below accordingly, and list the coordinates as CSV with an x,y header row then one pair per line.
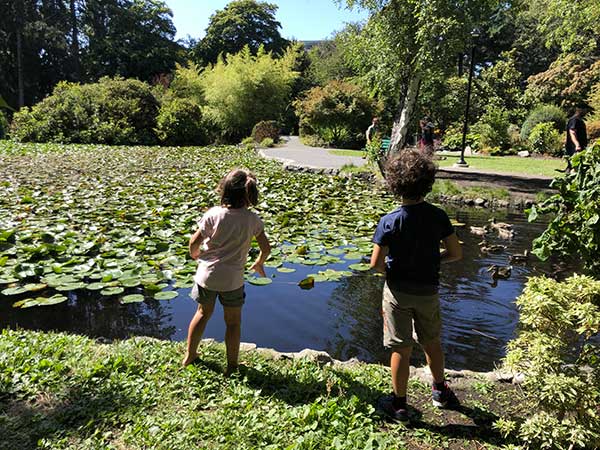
x,y
404,114
75,41
19,33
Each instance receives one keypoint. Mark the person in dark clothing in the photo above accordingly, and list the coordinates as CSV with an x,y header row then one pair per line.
x,y
576,135
427,128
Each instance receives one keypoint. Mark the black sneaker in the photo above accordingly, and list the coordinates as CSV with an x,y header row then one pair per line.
x,y
444,398
385,404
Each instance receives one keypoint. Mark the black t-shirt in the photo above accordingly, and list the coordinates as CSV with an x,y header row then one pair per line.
x,y
413,234
427,133
577,124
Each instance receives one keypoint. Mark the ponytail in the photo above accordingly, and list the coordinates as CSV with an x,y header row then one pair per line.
x,y
238,189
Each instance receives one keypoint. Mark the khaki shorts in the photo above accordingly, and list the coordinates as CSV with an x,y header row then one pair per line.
x,y
228,298
401,310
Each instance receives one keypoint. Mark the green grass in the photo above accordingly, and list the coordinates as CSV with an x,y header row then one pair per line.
x,y
62,391
510,164
450,188
357,153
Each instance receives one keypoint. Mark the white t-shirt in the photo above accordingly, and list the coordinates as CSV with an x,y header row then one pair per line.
x,y
227,237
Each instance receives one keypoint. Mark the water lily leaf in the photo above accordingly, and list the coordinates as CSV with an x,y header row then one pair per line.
x,y
336,251
165,295
286,270
8,280
116,290
302,250
360,267
183,285
70,286
132,298
131,282
14,290
40,301
353,255
259,281
34,287
307,283
95,286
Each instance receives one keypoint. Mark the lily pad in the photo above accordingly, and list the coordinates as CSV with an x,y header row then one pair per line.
x,y
165,295
132,298
40,301
353,255
14,290
70,287
286,270
360,267
307,283
260,281
95,286
112,291
8,280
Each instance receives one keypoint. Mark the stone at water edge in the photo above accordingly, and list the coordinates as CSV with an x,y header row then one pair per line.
x,y
524,154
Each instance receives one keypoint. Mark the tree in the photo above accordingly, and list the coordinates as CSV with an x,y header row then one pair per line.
x,y
243,89
241,23
405,41
327,60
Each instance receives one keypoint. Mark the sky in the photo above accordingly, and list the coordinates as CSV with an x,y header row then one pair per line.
x,y
304,20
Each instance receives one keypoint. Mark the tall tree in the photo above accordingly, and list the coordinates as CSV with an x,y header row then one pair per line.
x,y
241,23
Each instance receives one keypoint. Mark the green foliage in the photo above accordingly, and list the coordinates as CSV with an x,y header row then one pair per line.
x,y
179,122
267,142
560,362
452,139
244,90
492,128
594,101
242,23
112,111
544,113
593,129
3,125
575,227
266,129
545,139
339,113
187,83
327,60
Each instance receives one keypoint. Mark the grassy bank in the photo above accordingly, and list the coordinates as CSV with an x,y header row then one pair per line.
x,y
61,391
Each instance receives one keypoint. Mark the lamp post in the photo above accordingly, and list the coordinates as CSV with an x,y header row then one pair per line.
x,y
461,162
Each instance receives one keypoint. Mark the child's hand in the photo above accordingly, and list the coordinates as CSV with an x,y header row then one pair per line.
x,y
258,268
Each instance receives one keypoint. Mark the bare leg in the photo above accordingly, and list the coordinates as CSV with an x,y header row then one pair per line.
x,y
233,320
196,330
400,365
435,359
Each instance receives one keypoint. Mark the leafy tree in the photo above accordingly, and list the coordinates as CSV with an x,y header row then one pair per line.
x,y
327,61
243,89
179,122
241,23
339,113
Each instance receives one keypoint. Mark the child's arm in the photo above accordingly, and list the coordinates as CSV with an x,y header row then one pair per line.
x,y
195,243
453,250
265,251
378,257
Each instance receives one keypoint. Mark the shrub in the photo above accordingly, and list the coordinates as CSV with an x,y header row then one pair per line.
x,y
575,228
556,353
3,125
112,111
267,142
452,139
593,130
179,122
544,113
545,139
492,128
248,141
265,129
338,113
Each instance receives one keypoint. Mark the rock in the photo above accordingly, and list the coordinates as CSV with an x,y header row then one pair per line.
x,y
518,378
314,355
456,198
208,341
469,201
524,154
480,201
503,203
247,346
528,203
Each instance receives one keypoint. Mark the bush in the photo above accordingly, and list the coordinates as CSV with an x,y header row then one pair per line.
x,y
267,142
265,129
339,113
492,128
3,125
544,113
452,139
575,228
113,111
179,122
248,141
556,353
546,140
593,130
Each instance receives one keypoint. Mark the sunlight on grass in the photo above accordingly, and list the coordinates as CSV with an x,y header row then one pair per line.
x,y
510,164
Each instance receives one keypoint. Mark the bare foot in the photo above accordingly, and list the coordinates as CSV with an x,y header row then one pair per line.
x,y
189,359
231,369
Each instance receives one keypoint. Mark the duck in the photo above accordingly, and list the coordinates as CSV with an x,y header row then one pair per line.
x,y
479,231
519,257
499,225
505,233
491,248
500,272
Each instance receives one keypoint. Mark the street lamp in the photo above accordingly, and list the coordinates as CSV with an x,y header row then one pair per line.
x,y
461,162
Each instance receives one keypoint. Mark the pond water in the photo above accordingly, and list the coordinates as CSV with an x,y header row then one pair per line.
x,y
342,318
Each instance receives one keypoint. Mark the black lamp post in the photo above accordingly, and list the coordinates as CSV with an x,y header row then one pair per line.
x,y
461,162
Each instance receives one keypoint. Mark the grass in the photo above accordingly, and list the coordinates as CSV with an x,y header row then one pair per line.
x,y
356,153
62,391
449,188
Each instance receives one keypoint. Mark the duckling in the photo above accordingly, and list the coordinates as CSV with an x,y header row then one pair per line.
x,y
505,233
479,231
499,225
491,248
500,272
519,257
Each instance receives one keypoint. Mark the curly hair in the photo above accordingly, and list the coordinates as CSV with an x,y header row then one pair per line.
x,y
238,189
410,174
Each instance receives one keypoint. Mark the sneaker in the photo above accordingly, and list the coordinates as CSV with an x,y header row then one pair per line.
x,y
444,398
386,405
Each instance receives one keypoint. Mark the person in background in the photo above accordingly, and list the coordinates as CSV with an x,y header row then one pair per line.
x,y
221,245
406,247
576,135
373,129
427,135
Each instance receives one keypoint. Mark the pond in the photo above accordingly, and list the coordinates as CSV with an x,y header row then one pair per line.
x,y
341,317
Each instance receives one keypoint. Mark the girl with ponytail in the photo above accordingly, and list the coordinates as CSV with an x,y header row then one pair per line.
x,y
221,245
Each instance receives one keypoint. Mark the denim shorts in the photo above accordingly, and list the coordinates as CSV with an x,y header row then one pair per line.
x,y
206,296
400,311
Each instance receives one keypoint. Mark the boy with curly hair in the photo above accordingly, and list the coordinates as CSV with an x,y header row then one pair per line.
x,y
407,249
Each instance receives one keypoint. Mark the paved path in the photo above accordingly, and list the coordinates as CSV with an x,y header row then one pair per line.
x,y
296,153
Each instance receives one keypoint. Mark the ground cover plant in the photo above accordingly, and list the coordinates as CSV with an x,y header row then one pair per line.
x,y
68,392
